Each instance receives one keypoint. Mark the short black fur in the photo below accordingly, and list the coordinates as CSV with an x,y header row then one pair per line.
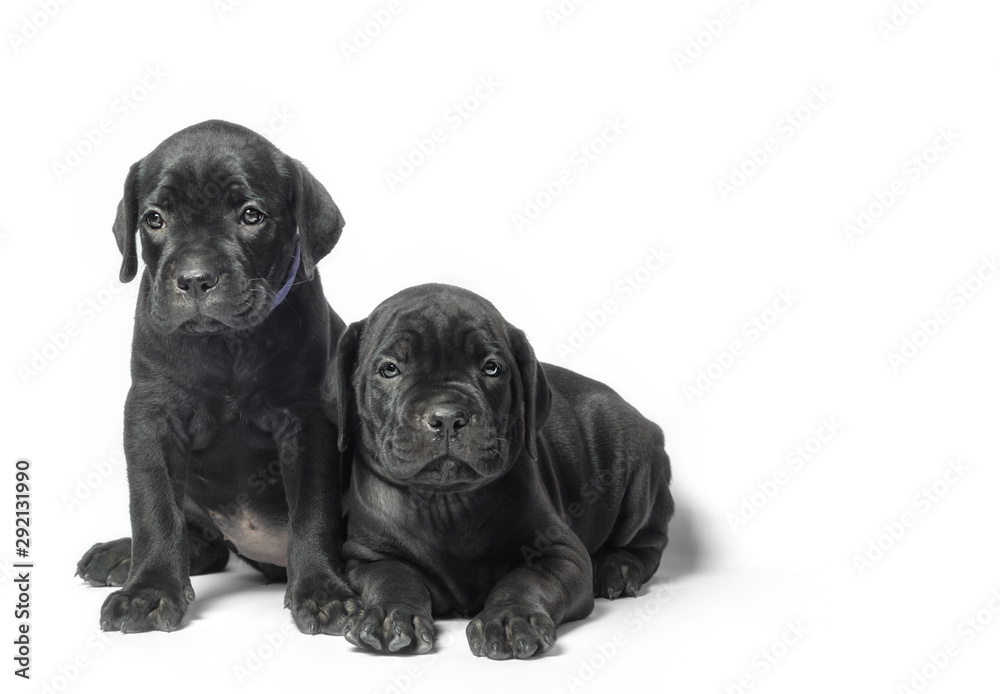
x,y
484,483
226,442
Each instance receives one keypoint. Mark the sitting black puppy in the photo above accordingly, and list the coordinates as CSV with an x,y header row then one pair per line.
x,y
482,482
226,442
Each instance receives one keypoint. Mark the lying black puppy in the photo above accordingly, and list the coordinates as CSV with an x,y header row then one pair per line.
x,y
483,482
225,435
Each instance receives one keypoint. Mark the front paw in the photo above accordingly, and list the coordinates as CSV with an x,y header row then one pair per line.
x,y
617,574
511,631
321,605
391,628
133,610
106,563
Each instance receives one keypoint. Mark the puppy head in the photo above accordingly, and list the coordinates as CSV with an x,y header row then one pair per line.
x,y
220,211
438,390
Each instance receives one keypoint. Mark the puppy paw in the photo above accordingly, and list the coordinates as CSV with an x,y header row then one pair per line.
x,y
133,610
617,574
321,605
511,631
391,628
106,563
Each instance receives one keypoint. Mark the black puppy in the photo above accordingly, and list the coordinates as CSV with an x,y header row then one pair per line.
x,y
225,435
484,482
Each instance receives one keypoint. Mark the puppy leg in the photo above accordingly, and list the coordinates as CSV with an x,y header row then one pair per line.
x,y
317,594
158,588
397,613
632,553
525,607
209,552
108,563
271,572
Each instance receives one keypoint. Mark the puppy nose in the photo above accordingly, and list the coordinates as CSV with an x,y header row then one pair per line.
x,y
196,281
446,419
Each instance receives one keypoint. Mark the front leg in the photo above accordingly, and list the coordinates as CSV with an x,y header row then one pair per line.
x,y
397,614
317,594
525,607
158,589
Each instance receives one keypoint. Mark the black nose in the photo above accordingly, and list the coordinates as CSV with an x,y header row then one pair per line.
x,y
195,282
446,419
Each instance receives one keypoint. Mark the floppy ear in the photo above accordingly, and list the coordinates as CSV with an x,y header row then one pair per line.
x,y
317,215
534,391
338,386
126,226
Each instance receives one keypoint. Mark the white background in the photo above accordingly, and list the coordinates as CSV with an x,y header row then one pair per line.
x,y
724,594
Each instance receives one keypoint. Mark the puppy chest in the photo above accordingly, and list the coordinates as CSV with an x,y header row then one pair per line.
x,y
461,573
227,409
462,585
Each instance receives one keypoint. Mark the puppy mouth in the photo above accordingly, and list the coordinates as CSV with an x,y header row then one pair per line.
x,y
194,319
436,465
446,472
202,325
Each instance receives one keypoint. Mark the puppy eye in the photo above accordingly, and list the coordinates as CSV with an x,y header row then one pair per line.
x,y
251,216
492,368
153,220
389,370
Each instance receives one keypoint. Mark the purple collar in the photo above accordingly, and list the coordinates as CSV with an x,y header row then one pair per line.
x,y
287,287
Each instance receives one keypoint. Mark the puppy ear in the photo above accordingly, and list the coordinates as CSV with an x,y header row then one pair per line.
x,y
126,226
317,215
338,386
535,394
